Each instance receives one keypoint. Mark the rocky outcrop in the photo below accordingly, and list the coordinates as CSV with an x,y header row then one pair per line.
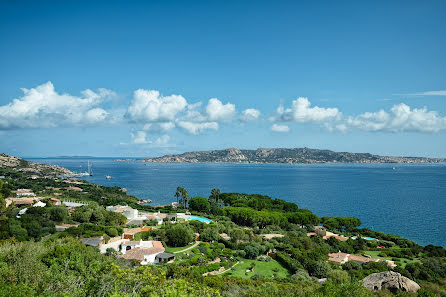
x,y
31,168
389,280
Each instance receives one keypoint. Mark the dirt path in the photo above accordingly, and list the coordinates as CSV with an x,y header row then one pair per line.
x,y
227,269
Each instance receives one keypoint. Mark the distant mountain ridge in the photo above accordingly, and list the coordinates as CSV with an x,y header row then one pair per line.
x,y
284,155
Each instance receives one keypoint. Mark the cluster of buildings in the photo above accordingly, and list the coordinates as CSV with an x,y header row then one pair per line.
x,y
342,258
134,217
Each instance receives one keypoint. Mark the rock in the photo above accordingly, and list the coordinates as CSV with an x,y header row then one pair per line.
x,y
392,281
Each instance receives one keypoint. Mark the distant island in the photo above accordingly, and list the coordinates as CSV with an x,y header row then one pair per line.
x,y
282,155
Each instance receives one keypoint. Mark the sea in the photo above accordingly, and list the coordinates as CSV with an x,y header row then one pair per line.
x,y
408,200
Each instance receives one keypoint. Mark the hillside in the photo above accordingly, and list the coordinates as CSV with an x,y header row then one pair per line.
x,y
284,155
31,168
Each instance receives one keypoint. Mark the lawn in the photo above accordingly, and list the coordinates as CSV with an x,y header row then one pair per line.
x,y
264,268
401,261
176,249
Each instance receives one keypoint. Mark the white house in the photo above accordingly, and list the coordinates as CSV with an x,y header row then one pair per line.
x,y
145,252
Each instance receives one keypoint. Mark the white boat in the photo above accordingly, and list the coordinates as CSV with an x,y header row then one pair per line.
x,y
108,177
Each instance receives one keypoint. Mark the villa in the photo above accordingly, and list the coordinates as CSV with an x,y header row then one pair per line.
x,y
321,231
145,252
342,258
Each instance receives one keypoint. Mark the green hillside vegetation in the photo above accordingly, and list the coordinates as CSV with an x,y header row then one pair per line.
x,y
256,246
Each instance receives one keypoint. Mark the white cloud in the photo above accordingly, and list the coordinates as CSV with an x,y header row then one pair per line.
x,y
197,127
43,107
250,115
140,137
280,128
427,93
149,106
219,112
302,112
400,118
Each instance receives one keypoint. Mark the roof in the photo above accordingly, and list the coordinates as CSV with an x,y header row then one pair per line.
x,y
132,230
139,253
93,241
358,258
135,222
158,244
165,255
338,257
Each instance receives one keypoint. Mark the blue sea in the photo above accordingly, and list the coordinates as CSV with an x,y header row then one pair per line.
x,y
404,199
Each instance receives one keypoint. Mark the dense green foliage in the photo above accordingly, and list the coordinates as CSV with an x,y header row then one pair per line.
x,y
250,230
200,204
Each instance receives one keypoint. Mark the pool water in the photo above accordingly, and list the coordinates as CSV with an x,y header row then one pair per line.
x,y
195,218
366,238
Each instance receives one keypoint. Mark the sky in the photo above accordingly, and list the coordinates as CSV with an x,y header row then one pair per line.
x,y
148,78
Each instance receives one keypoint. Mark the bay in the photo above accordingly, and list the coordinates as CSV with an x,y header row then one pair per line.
x,y
403,199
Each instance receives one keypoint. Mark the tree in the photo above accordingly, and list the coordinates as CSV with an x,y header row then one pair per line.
x,y
215,197
178,194
179,235
58,214
183,195
251,252
209,234
199,204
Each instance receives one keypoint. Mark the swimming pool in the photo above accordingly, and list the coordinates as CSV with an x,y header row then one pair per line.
x,y
366,238
196,218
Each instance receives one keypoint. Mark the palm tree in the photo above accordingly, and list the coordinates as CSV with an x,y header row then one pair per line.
x,y
178,194
215,195
185,196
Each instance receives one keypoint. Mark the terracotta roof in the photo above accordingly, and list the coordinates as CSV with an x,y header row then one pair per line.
x,y
358,258
132,230
139,253
158,244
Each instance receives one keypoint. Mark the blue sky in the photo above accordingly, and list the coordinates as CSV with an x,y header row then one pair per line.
x,y
167,77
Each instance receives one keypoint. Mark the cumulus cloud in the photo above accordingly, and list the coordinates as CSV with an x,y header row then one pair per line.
x,y
197,127
150,106
219,112
140,137
400,118
43,107
250,115
302,112
280,128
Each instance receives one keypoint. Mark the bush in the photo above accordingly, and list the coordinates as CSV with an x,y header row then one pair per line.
x,y
338,276
112,232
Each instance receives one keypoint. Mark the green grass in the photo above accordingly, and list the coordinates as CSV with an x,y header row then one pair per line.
x,y
176,249
401,261
264,268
